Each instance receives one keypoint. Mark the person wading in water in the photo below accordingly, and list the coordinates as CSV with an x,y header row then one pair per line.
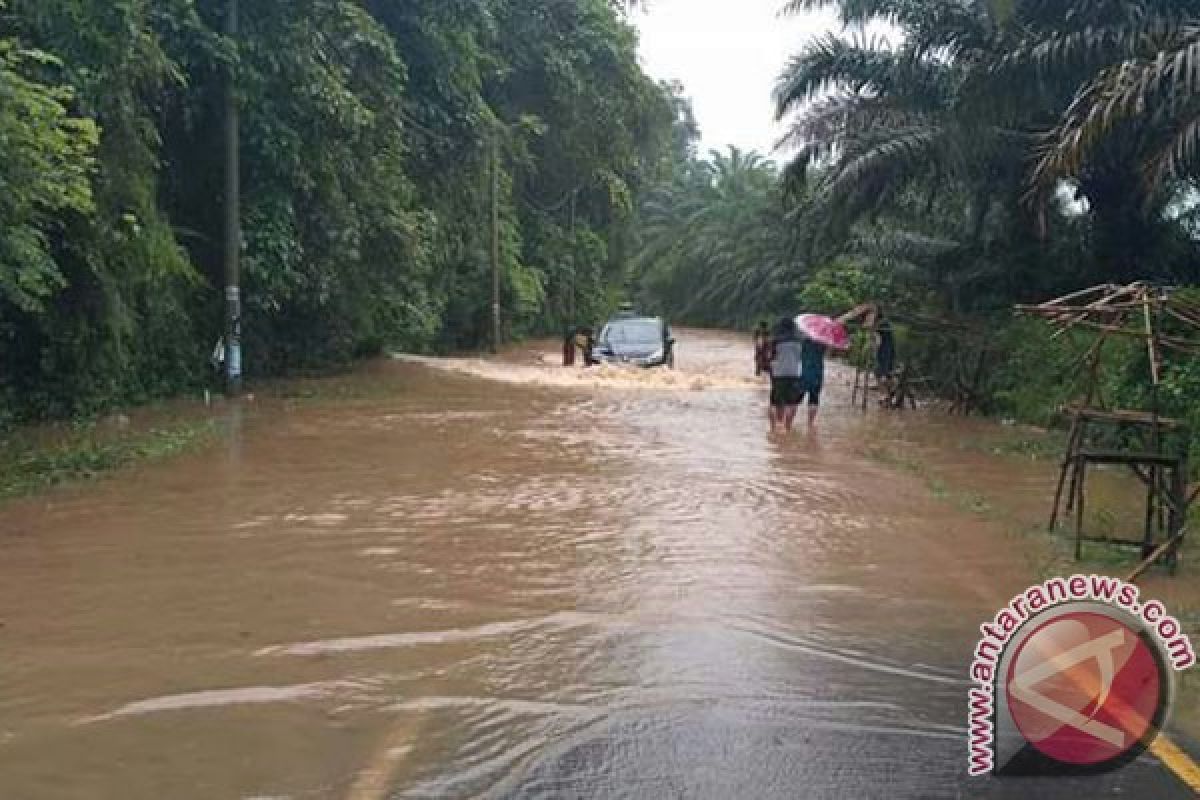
x,y
785,371
762,349
812,377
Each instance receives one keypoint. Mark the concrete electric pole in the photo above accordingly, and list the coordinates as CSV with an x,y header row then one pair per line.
x,y
233,223
495,237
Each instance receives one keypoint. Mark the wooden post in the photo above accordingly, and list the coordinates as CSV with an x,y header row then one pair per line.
x,y
1171,544
1151,337
1162,489
1076,463
1068,461
1177,518
872,359
1152,489
1080,428
862,376
1081,475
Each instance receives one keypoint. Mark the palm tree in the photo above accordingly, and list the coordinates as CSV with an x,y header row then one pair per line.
x,y
1008,100
1128,119
1144,85
715,240
878,118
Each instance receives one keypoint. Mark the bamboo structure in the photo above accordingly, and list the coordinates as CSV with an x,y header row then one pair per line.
x,y
962,389
864,361
864,371
1167,324
897,390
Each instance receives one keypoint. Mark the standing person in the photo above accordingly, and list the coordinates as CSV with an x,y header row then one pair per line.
x,y
586,338
885,350
785,371
812,362
568,348
762,349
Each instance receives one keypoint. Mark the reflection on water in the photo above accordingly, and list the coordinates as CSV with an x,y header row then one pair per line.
x,y
500,578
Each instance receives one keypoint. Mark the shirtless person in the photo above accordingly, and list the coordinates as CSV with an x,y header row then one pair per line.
x,y
762,349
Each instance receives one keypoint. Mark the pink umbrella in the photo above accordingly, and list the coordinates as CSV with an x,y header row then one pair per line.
x,y
825,330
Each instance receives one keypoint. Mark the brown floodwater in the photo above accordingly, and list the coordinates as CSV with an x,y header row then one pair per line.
x,y
503,578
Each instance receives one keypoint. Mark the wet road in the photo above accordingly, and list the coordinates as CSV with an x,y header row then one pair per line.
x,y
514,581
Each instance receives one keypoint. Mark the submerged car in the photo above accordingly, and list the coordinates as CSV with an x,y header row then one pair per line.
x,y
640,341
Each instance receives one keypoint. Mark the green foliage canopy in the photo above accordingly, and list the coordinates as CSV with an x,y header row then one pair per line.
x,y
368,130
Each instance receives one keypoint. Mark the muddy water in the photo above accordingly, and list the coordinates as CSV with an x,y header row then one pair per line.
x,y
504,579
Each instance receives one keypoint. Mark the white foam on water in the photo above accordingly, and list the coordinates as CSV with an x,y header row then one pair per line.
x,y
540,372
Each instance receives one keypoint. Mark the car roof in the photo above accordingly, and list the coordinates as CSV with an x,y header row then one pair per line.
x,y
633,318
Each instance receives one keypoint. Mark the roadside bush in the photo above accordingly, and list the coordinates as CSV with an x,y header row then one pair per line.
x,y
1030,374
840,286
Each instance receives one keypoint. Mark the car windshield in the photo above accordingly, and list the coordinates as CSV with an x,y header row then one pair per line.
x,y
633,331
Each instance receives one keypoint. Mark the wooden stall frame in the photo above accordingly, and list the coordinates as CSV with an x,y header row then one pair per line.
x,y
1136,310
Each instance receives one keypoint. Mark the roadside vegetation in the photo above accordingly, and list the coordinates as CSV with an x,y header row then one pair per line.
x,y
976,155
368,134
33,460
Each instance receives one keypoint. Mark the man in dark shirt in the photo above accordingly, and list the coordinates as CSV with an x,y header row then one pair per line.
x,y
812,376
885,352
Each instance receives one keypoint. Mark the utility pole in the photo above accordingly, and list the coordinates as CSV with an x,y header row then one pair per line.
x,y
573,313
233,224
495,203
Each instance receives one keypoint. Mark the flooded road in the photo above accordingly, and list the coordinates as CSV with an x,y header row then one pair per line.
x,y
505,579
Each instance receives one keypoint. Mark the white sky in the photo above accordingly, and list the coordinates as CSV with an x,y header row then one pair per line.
x,y
727,54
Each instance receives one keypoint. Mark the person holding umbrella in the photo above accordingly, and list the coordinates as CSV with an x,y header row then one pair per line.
x,y
819,333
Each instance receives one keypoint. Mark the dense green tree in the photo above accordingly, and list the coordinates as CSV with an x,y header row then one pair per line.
x,y
368,135
118,326
585,129
336,255
48,158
